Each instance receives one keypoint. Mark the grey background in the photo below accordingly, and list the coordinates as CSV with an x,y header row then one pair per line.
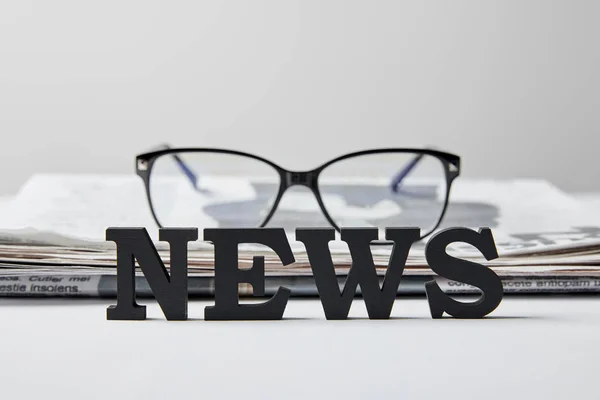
x,y
512,86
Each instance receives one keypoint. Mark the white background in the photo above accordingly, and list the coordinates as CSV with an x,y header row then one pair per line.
x,y
511,86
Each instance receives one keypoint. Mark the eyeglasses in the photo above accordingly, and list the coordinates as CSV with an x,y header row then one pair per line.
x,y
225,188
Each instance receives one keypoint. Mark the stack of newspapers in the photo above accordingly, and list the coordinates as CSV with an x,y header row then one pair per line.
x,y
52,240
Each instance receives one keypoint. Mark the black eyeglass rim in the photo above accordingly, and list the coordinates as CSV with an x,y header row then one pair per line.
x,y
309,179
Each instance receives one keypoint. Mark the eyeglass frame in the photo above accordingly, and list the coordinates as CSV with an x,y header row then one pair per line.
x,y
310,179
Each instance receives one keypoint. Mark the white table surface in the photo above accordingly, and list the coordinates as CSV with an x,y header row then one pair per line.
x,y
542,348
530,347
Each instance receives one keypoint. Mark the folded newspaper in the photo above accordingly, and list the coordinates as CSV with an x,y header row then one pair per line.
x,y
52,239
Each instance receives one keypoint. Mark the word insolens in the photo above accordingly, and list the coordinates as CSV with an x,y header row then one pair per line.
x,y
170,290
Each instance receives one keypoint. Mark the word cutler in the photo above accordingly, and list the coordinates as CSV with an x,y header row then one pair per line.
x,y
170,290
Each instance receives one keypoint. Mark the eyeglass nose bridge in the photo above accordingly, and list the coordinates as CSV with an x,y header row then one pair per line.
x,y
302,178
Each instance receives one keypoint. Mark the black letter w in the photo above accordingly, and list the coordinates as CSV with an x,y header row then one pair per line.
x,y
379,300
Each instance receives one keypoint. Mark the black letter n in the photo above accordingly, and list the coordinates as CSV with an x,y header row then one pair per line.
x,y
170,291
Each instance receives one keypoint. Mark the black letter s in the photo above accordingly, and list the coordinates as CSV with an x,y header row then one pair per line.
x,y
463,271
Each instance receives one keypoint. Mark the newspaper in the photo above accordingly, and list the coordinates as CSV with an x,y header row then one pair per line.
x,y
526,216
105,285
55,226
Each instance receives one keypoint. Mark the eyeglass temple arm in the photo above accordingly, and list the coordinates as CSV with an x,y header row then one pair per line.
x,y
399,177
187,171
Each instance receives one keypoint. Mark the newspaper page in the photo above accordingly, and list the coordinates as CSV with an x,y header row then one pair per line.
x,y
526,216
